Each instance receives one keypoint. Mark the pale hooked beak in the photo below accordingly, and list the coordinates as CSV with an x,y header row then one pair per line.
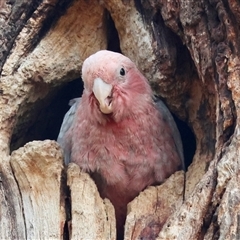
x,y
103,93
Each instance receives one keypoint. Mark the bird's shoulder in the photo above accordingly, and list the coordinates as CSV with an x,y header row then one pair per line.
x,y
68,119
168,118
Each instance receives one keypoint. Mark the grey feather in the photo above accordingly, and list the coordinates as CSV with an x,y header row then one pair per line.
x,y
66,124
175,133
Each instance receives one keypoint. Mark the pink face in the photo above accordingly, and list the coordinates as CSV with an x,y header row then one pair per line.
x,y
109,66
113,79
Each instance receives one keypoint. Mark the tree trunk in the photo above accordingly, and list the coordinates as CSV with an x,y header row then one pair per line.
x,y
189,51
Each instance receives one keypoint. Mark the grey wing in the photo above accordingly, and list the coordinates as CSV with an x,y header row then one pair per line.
x,y
66,124
169,119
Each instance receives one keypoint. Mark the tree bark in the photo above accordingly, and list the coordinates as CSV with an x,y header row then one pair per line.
x,y
188,50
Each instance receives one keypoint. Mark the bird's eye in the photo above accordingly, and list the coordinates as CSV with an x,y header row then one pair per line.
x,y
122,72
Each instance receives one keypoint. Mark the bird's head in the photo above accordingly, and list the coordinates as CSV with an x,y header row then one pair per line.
x,y
115,83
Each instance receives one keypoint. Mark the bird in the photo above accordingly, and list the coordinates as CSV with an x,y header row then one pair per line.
x,y
120,132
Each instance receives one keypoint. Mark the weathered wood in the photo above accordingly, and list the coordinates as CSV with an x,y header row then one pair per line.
x,y
229,210
148,212
187,221
92,217
11,211
38,168
14,16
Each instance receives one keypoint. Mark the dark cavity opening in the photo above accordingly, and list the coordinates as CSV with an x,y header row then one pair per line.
x,y
113,42
188,140
47,117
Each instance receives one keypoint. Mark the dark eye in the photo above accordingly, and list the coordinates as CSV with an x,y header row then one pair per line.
x,y
122,72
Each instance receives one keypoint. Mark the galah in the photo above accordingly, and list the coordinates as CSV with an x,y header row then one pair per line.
x,y
118,132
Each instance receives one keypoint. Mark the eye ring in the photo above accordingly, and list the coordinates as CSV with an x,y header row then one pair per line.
x,y
122,72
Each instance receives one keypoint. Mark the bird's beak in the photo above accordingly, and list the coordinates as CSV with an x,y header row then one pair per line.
x,y
103,93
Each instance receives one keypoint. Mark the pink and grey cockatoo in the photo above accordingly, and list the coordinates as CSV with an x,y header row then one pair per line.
x,y
118,133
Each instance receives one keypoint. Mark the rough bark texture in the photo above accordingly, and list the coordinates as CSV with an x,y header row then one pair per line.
x,y
37,168
148,212
189,51
92,218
